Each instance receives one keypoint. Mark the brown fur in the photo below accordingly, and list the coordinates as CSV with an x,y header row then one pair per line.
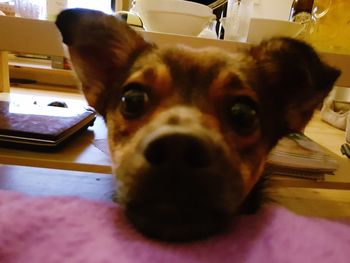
x,y
184,162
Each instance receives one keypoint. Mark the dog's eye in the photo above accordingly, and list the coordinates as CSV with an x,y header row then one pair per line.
x,y
243,118
133,103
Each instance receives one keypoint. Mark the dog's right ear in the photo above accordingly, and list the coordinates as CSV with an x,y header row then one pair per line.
x,y
102,48
293,82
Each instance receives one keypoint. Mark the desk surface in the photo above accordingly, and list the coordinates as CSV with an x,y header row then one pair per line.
x,y
84,155
80,154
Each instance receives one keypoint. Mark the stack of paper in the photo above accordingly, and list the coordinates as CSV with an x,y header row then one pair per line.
x,y
297,155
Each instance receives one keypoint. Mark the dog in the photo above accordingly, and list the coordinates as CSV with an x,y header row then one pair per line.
x,y
189,130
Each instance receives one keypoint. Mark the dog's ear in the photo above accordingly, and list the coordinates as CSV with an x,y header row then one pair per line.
x,y
101,49
293,82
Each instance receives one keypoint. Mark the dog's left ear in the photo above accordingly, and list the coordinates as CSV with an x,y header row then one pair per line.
x,y
293,82
101,49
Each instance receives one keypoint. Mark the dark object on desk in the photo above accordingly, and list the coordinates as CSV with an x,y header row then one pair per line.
x,y
345,150
38,127
61,104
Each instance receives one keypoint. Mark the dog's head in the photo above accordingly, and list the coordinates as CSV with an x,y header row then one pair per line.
x,y
189,130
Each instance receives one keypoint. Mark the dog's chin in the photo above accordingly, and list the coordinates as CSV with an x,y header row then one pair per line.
x,y
176,224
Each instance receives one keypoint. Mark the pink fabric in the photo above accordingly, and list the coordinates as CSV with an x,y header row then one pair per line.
x,y
56,229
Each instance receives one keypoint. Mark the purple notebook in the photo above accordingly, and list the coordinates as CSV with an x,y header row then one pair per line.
x,y
40,126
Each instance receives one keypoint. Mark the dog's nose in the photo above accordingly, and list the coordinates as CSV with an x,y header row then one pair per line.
x,y
184,150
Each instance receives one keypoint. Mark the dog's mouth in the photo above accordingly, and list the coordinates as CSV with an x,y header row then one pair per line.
x,y
176,223
183,209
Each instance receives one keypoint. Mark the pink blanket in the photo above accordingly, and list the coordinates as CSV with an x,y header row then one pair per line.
x,y
56,229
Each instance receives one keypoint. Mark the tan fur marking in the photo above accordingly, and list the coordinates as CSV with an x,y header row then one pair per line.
x,y
157,77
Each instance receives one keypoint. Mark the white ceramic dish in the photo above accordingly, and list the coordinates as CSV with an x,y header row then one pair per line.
x,y
263,28
174,16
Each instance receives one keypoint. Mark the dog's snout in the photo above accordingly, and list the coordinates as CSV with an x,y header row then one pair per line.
x,y
173,150
186,188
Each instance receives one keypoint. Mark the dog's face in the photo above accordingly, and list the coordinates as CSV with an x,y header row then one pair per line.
x,y
189,130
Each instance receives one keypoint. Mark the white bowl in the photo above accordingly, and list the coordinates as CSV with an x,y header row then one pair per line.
x,y
263,28
174,16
